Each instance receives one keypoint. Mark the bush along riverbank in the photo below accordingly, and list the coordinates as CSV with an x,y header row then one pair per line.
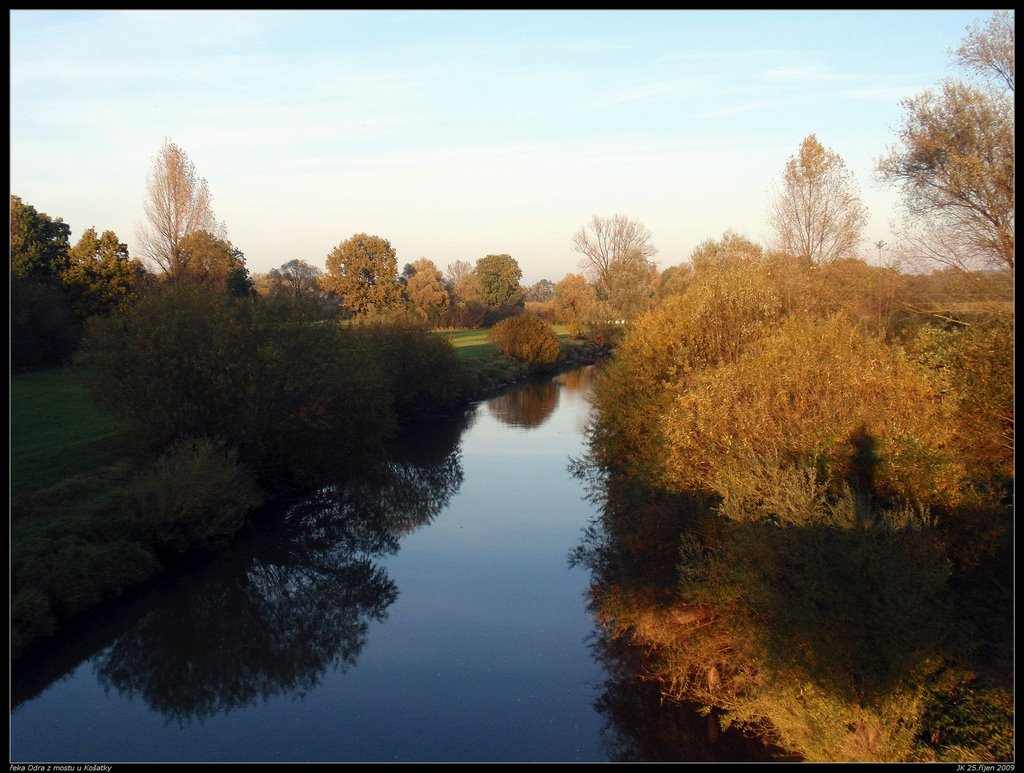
x,y
230,406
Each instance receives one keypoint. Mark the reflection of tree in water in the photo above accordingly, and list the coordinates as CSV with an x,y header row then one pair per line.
x,y
527,406
580,379
820,635
276,612
632,563
643,725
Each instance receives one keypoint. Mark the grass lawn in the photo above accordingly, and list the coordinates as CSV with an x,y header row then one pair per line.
x,y
56,430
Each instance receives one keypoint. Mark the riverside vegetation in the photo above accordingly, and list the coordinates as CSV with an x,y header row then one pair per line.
x,y
208,406
808,509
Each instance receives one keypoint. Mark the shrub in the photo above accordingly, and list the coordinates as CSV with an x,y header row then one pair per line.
x,y
290,391
527,338
723,312
194,495
44,329
817,392
424,374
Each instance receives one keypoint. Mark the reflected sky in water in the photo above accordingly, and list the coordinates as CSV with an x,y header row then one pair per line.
x,y
431,617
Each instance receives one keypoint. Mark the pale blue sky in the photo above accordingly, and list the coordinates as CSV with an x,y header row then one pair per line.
x,y
457,134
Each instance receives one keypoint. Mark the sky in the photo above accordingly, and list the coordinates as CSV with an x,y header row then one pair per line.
x,y
459,134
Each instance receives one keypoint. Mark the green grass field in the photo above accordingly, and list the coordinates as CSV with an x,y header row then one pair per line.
x,y
56,430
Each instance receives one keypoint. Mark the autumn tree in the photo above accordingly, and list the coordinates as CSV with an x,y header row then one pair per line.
x,y
363,272
541,291
177,205
629,286
499,277
732,247
468,289
425,290
101,275
456,271
215,263
39,243
954,160
296,278
574,300
605,240
816,212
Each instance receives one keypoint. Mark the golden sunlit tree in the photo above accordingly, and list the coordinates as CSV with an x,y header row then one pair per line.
x,y
178,204
363,272
426,292
816,212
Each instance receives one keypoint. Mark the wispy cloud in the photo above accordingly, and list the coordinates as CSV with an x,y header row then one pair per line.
x,y
650,92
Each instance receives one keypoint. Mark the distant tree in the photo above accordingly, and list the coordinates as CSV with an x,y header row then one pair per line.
x,y
425,290
39,243
674,280
215,263
542,291
363,272
629,287
499,277
469,289
605,240
296,278
816,213
456,271
177,205
101,275
954,163
574,299
731,247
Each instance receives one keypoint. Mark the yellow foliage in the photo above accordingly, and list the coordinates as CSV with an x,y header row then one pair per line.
x,y
800,398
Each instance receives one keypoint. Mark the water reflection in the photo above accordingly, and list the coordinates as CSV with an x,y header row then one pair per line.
x,y
527,406
279,610
579,380
643,725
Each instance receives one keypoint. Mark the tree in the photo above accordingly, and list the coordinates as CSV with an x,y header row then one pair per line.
x,y
817,214
101,275
363,271
211,261
177,205
296,278
456,271
468,289
499,277
425,290
39,243
629,286
730,248
542,291
574,300
954,162
605,240
990,51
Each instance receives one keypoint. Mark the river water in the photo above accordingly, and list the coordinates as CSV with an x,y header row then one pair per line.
x,y
427,614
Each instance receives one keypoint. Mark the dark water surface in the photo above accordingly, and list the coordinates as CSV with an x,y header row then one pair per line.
x,y
429,614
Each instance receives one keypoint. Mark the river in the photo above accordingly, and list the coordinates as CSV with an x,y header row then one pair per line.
x,y
427,614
